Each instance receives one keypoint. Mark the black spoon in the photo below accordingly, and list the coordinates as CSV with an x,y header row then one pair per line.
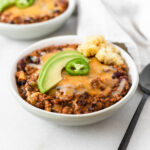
x,y
145,87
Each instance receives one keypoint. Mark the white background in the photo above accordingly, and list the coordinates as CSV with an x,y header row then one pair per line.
x,y
19,130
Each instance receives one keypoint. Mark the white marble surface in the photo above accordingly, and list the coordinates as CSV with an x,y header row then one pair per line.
x,y
19,130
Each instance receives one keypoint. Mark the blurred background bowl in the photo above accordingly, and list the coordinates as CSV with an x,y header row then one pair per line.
x,y
37,30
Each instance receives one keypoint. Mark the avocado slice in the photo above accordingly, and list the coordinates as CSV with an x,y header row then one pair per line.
x,y
50,74
5,4
58,55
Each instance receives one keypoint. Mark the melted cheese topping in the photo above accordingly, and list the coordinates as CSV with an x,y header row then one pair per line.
x,y
39,8
80,84
44,58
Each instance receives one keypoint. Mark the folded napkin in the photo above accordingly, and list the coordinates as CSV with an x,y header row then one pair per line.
x,y
94,19
142,18
136,11
132,16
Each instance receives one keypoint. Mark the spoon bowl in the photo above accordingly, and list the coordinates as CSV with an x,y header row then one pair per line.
x,y
145,87
145,80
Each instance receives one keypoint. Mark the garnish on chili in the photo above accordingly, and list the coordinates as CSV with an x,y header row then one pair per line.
x,y
24,3
77,66
5,3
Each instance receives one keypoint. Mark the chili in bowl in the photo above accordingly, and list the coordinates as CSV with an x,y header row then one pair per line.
x,y
31,19
74,82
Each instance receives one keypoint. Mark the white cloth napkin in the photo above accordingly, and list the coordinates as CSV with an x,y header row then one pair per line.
x,y
94,19
133,17
136,10
142,18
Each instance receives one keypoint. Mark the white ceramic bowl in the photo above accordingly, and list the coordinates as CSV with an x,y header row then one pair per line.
x,y
65,119
36,30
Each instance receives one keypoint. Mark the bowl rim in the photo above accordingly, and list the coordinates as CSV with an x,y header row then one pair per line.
x,y
69,116
71,6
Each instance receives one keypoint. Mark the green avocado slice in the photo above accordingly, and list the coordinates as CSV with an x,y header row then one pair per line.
x,y
50,74
58,55
6,3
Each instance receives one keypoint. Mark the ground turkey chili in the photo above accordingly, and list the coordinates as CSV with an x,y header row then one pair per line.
x,y
104,86
41,10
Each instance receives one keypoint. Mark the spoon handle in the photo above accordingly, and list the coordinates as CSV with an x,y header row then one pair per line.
x,y
125,141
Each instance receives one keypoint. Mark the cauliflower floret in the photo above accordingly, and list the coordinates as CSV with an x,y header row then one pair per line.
x,y
96,40
105,52
88,49
110,48
92,46
109,55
